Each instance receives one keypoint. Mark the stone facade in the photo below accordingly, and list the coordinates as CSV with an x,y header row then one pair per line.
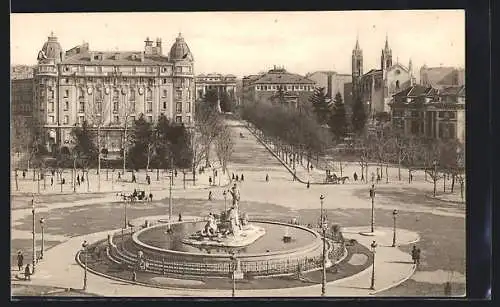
x,y
111,89
296,88
221,83
429,112
332,81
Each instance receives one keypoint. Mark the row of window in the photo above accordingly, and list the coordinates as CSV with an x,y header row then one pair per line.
x,y
133,69
116,119
408,113
132,106
116,94
285,87
183,82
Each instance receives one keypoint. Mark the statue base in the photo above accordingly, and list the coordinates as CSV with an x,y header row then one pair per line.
x,y
246,236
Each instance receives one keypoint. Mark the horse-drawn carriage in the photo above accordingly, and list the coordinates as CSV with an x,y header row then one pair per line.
x,y
138,195
332,178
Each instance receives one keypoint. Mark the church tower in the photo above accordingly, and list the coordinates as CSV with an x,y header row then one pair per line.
x,y
357,67
386,59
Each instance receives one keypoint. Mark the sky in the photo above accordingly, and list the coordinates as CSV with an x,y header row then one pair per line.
x,y
243,43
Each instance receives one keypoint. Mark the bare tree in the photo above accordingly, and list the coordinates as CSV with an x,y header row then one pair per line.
x,y
224,147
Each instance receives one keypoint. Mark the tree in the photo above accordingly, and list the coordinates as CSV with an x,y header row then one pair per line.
x,y
279,95
84,139
224,147
208,124
227,103
143,141
211,100
320,105
337,122
358,115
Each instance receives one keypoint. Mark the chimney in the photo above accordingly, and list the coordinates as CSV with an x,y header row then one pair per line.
x,y
142,56
92,56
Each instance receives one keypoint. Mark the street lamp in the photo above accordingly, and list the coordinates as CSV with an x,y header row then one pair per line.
x,y
42,223
225,197
323,228
125,209
84,250
33,230
435,163
75,155
394,214
233,259
372,196
373,246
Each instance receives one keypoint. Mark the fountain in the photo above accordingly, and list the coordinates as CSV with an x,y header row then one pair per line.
x,y
228,229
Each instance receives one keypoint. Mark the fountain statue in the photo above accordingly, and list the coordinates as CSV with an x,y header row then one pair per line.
x,y
228,229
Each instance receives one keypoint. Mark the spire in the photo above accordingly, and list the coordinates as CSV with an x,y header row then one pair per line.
x,y
410,65
357,43
386,41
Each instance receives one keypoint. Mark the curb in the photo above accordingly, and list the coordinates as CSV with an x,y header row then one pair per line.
x,y
283,162
412,271
445,200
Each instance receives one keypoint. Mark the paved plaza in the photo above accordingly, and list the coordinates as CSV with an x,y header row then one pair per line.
x,y
73,218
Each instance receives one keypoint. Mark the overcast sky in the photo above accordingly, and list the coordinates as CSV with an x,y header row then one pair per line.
x,y
243,43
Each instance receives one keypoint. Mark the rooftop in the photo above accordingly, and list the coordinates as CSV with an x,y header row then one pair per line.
x,y
416,90
281,76
108,58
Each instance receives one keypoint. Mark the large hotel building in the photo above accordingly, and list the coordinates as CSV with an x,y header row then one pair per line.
x,y
110,89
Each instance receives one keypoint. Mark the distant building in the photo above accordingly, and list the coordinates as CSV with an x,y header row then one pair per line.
x,y
439,77
332,81
111,89
376,87
429,112
218,82
296,89
21,72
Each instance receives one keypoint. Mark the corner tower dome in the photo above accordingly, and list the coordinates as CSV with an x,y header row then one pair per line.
x,y
52,49
180,50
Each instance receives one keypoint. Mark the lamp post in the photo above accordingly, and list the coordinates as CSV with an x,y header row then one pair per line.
x,y
323,228
170,189
33,231
394,214
372,196
373,246
233,259
435,175
84,250
42,224
75,155
225,198
125,209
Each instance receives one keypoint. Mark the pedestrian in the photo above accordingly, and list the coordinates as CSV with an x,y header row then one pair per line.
x,y
210,195
77,180
210,180
418,256
267,177
378,178
311,167
53,172
414,254
237,178
119,175
20,260
133,178
51,181
175,172
411,177
83,179
215,173
63,181
180,217
150,196
355,176
41,176
373,176
242,178
24,174
148,179
233,176
308,184
27,272
362,176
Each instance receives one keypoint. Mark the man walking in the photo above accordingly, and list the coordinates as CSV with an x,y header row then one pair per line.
x,y
27,272
355,176
20,260
267,177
